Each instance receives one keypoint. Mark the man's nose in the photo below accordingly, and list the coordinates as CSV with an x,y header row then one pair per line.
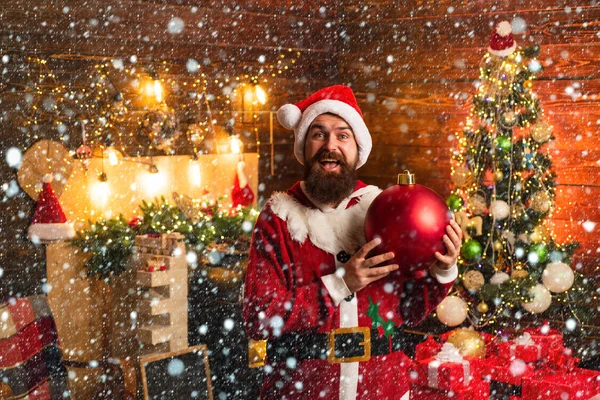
x,y
331,143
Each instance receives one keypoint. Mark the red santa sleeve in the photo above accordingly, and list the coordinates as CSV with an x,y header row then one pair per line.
x,y
422,295
273,302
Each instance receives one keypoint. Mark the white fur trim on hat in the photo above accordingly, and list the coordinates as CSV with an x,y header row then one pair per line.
x,y
289,116
50,232
345,111
504,28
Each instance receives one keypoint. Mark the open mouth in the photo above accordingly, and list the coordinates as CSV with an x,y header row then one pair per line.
x,y
329,164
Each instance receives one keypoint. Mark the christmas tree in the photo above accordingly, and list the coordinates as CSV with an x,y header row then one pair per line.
x,y
511,269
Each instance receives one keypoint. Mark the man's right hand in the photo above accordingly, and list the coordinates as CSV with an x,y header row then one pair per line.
x,y
360,270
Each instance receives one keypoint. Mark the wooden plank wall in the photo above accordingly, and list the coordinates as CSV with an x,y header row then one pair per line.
x,y
416,100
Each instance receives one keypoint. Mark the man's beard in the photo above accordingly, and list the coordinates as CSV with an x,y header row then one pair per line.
x,y
329,187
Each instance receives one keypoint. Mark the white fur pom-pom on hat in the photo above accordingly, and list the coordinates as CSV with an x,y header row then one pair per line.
x,y
338,100
289,116
502,42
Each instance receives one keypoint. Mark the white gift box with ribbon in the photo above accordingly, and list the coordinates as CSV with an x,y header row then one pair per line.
x,y
448,354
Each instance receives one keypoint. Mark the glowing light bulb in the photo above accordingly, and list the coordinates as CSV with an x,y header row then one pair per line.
x,y
236,144
113,155
158,90
260,94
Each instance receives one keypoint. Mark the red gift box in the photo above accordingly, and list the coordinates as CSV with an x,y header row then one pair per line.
x,y
577,384
523,348
427,349
547,338
476,390
499,370
442,375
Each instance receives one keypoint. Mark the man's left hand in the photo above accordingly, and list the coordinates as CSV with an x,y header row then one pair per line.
x,y
453,241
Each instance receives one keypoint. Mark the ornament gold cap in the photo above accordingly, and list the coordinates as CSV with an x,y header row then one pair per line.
x,y
406,178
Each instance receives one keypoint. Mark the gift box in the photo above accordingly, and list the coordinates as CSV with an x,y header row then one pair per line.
x,y
427,349
577,384
447,370
523,348
498,369
476,390
548,339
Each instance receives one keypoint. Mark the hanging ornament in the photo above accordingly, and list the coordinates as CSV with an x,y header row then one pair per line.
x,y
519,274
452,311
477,203
508,119
471,250
483,307
161,127
558,277
410,219
488,178
528,84
498,245
461,176
498,175
468,342
541,131
527,158
503,143
541,299
499,278
196,133
473,280
517,209
499,209
454,202
540,202
538,253
540,233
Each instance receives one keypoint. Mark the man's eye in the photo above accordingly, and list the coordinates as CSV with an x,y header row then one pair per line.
x,y
344,136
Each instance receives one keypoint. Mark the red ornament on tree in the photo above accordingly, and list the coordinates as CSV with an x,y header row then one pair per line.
x,y
411,220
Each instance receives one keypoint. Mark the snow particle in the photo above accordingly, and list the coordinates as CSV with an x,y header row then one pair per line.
x,y
192,65
175,367
5,58
291,363
175,26
535,66
14,157
519,25
390,59
571,324
589,226
247,226
388,287
262,59
228,324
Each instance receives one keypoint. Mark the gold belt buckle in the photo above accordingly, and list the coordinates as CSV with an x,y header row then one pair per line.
x,y
366,344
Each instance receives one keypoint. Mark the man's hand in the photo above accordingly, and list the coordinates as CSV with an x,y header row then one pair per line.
x,y
453,241
360,271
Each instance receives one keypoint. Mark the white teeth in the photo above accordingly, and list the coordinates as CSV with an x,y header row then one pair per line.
x,y
328,160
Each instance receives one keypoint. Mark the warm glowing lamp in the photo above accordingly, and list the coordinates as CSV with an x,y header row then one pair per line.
x,y
158,90
235,144
260,94
195,173
113,155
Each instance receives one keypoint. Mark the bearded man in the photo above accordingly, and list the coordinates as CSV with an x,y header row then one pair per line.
x,y
310,280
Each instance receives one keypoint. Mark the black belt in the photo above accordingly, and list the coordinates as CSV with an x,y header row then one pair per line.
x,y
340,345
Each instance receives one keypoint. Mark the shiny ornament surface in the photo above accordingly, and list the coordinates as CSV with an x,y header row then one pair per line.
x,y
461,176
452,311
411,221
477,203
468,342
558,277
541,299
454,202
471,250
519,274
483,307
499,278
540,202
503,143
538,252
541,131
498,175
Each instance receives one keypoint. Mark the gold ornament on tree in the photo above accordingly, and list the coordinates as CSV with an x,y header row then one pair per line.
x,y
461,176
541,131
483,307
540,202
518,272
473,280
477,203
468,342
498,175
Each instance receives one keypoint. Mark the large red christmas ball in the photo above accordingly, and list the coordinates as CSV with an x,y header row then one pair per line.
x,y
411,221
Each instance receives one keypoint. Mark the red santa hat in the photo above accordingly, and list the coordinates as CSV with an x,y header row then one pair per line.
x,y
49,222
502,42
338,100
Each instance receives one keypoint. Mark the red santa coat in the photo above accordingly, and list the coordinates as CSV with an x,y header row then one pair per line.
x,y
292,287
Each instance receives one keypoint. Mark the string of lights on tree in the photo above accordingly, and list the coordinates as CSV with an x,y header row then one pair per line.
x,y
504,196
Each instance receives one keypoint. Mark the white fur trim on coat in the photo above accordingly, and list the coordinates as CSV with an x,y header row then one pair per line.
x,y
330,229
344,110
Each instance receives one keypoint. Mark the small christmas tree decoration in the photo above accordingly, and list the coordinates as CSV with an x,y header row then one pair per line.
x,y
468,342
473,280
471,250
541,131
452,311
540,202
540,301
558,277
503,143
538,253
498,175
519,274
499,278
49,222
461,176
477,203
455,202
499,209
483,307
502,42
